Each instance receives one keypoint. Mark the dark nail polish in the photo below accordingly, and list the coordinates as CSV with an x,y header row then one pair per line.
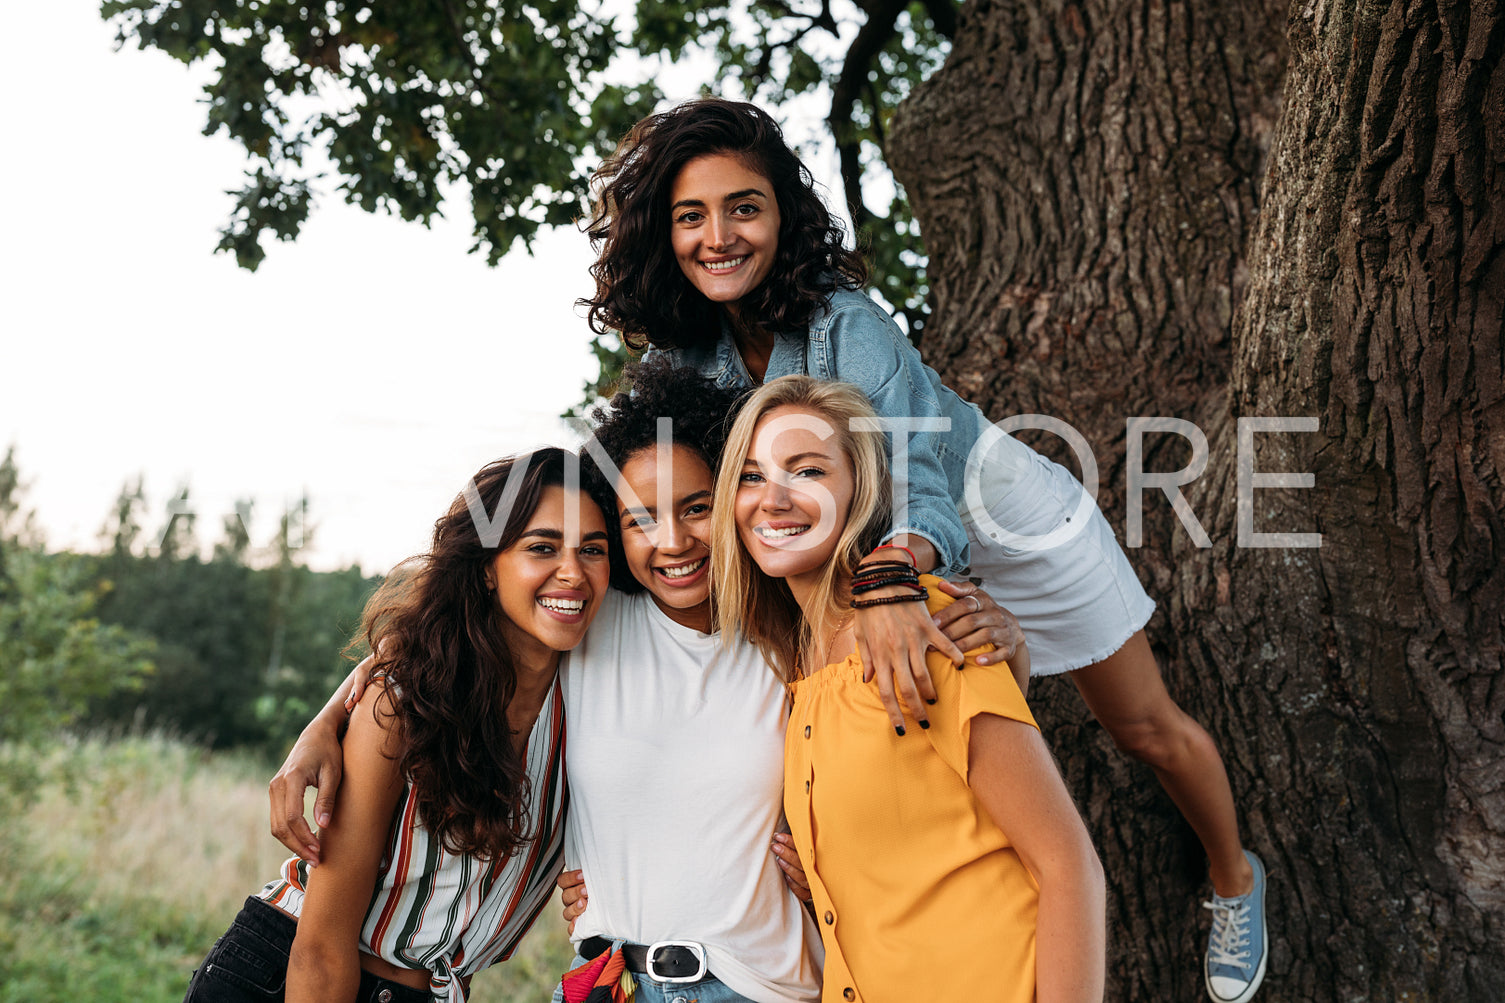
x,y
931,701
899,730
924,724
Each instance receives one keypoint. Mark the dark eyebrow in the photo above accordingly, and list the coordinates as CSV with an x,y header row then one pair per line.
x,y
558,535
730,197
635,512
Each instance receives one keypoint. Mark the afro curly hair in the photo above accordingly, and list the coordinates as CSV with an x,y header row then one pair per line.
x,y
701,413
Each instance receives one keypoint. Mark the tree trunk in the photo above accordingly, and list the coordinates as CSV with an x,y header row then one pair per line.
x,y
1088,181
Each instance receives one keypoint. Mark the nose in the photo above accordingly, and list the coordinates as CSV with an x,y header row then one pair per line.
x,y
775,497
672,537
570,570
718,233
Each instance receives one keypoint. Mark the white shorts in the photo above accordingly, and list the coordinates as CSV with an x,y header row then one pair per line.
x,y
1045,553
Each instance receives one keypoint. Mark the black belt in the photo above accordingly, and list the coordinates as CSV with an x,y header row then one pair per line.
x,y
669,961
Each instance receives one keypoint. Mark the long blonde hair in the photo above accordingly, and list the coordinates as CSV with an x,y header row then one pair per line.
x,y
762,609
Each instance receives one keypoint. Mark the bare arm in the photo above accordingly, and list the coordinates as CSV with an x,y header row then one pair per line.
x,y
1013,775
325,960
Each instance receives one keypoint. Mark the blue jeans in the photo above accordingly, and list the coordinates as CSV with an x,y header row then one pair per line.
x,y
708,990
249,963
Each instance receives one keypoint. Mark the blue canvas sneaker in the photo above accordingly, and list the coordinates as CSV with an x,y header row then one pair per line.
x,y
1239,943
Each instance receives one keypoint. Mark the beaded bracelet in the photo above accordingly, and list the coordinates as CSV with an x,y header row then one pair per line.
x,y
901,565
888,566
858,590
885,600
878,581
885,574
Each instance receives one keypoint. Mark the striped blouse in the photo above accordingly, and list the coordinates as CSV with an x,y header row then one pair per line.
x,y
455,914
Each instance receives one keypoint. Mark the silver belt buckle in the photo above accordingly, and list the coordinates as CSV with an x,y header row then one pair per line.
x,y
689,945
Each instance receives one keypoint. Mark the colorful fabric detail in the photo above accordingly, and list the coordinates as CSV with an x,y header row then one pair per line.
x,y
603,979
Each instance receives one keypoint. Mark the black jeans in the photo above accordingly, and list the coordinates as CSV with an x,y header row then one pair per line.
x,y
249,964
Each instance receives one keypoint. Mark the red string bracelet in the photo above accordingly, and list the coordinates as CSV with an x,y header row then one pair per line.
x,y
894,546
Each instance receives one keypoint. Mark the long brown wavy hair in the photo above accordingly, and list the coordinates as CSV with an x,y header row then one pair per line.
x,y
436,631
641,291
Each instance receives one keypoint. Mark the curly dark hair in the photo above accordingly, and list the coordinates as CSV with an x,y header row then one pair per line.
x,y
641,291
702,414
436,630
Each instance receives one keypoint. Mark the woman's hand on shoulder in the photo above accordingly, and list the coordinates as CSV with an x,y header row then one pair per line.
x,y
976,620
892,639
316,760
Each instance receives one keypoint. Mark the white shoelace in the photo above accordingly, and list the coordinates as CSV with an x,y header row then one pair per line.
x,y
1230,932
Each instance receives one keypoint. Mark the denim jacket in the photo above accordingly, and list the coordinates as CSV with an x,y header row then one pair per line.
x,y
855,341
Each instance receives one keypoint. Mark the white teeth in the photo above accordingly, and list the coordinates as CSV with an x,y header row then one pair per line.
x,y
722,266
777,534
683,571
563,605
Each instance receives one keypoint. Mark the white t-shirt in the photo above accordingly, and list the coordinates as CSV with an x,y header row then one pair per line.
x,y
675,753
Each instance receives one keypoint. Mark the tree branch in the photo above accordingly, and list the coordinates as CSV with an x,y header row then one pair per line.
x,y
874,34
822,20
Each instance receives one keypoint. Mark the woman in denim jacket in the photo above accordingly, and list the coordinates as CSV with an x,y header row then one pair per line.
x,y
713,247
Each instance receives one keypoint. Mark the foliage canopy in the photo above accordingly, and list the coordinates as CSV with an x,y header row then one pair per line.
x,y
515,102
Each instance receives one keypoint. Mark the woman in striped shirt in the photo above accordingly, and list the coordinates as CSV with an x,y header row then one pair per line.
x,y
448,829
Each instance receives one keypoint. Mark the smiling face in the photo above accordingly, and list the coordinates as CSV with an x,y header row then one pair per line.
x,y
550,586
724,226
794,495
666,542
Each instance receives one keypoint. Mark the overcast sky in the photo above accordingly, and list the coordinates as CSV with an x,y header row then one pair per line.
x,y
374,363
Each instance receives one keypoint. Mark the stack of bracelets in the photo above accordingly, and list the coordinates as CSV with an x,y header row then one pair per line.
x,y
881,574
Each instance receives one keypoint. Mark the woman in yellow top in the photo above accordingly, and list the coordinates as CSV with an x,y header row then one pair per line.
x,y
954,869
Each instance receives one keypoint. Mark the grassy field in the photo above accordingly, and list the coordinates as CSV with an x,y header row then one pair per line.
x,y
136,856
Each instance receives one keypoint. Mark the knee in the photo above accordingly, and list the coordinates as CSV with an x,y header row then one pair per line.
x,y
1160,738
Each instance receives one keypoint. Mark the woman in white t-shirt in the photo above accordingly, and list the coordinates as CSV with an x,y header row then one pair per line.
x,y
675,741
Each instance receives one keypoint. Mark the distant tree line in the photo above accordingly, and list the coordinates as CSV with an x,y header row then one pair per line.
x,y
233,649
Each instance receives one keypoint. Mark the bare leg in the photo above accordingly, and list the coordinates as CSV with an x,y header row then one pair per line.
x,y
1127,696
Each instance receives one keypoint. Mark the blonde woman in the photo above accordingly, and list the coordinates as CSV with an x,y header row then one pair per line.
x,y
951,869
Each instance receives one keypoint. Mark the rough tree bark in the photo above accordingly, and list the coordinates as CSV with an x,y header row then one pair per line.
x,y
1105,242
